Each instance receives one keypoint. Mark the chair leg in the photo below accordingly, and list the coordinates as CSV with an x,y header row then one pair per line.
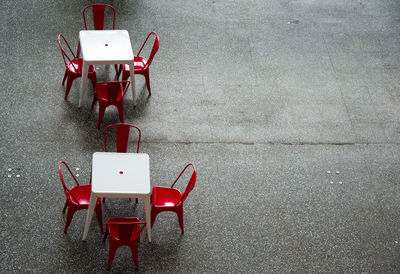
x,y
94,100
65,206
137,200
65,77
120,107
70,213
147,77
102,108
111,254
117,72
93,79
134,250
179,212
99,216
69,84
125,76
105,236
153,216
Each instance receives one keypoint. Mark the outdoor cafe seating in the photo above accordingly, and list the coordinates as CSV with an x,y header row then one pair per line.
x,y
123,173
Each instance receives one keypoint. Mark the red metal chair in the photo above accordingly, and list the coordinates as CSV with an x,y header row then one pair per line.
x,y
141,64
73,66
98,11
110,93
170,198
78,197
121,134
123,231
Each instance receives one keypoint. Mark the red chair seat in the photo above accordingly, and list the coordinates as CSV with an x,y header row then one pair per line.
x,y
76,66
139,63
82,194
165,196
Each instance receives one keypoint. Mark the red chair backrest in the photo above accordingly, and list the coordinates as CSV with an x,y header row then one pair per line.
x,y
122,135
68,193
190,185
113,89
98,15
125,231
154,49
61,41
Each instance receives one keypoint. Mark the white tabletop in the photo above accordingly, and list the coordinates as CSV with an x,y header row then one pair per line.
x,y
105,45
120,173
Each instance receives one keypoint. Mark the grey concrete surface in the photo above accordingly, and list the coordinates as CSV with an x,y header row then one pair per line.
x,y
264,97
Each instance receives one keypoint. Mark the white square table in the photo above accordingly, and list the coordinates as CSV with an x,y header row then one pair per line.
x,y
105,47
120,175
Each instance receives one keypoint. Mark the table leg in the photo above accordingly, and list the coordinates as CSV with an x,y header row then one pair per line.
x,y
85,71
89,216
132,72
147,210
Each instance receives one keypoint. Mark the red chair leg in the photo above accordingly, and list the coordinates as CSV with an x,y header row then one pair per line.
x,y
120,107
65,206
147,77
93,79
99,216
94,100
125,76
116,71
65,77
179,212
70,213
105,236
134,250
69,84
102,108
154,213
111,254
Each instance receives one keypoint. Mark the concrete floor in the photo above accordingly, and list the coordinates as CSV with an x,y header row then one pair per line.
x,y
264,97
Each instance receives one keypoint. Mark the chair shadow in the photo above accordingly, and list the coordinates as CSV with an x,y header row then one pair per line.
x,y
142,100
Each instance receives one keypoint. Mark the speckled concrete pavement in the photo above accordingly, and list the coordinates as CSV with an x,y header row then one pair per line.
x,y
264,97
